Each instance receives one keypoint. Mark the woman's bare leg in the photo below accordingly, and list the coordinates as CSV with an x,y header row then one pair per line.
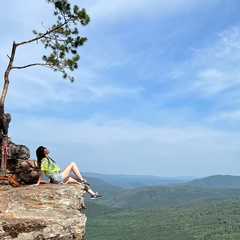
x,y
72,167
88,189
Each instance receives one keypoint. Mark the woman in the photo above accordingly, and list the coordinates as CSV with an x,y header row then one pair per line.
x,y
52,171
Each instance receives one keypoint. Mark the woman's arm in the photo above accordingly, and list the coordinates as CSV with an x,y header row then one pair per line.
x,y
39,178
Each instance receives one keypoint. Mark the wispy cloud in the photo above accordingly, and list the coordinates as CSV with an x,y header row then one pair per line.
x,y
211,75
106,144
218,65
111,11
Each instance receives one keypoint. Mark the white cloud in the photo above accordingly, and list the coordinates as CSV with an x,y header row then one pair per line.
x,y
27,91
108,11
102,145
218,65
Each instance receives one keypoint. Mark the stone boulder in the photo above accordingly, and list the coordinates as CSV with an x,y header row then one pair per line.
x,y
23,171
48,211
16,151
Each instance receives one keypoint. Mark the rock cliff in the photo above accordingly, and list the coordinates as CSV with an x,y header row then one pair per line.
x,y
48,211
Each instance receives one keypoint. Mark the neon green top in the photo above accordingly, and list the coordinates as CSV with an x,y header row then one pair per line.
x,y
49,167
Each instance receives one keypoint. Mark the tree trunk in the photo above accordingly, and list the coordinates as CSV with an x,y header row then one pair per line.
x,y
4,156
5,118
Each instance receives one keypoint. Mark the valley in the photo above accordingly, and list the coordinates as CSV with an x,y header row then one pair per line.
x,y
175,212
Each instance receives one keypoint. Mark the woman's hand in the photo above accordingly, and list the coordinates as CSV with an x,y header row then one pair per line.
x,y
36,184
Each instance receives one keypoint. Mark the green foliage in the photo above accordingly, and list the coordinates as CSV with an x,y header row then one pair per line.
x,y
62,38
165,213
107,190
163,196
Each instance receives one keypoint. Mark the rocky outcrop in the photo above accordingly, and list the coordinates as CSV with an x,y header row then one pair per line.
x,y
48,211
23,171
18,165
16,151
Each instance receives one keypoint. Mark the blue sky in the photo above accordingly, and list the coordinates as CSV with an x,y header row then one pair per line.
x,y
157,91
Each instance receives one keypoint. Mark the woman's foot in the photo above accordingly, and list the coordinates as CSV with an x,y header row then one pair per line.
x,y
96,196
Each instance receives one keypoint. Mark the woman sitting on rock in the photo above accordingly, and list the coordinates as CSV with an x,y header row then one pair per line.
x,y
49,167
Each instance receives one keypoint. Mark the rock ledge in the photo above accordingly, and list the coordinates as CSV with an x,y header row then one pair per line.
x,y
49,211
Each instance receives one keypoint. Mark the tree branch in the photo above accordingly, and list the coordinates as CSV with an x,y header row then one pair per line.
x,y
31,65
43,35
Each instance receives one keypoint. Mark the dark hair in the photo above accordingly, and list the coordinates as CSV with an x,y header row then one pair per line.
x,y
40,155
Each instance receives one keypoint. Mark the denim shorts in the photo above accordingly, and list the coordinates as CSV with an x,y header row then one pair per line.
x,y
57,178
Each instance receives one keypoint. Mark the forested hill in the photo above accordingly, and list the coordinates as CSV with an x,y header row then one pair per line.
x,y
176,212
217,181
157,196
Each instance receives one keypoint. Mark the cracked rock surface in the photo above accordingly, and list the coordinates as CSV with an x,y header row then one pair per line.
x,y
48,211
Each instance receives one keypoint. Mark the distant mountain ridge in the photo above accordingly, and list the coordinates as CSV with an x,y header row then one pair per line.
x,y
156,196
137,181
217,181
